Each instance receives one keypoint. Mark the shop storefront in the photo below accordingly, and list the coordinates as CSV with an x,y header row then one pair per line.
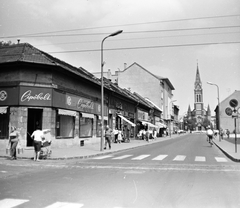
x,y
121,117
70,117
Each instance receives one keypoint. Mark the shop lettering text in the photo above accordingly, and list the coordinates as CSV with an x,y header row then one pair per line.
x,y
27,96
85,104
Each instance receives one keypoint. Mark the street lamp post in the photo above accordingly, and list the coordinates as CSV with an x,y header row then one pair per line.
x,y
102,93
170,103
219,109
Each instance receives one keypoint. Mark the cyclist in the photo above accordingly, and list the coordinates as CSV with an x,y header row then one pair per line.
x,y
210,135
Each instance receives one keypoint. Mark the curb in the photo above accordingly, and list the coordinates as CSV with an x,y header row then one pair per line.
x,y
228,155
87,156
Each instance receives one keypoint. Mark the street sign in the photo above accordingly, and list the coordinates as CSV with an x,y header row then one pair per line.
x,y
228,111
233,103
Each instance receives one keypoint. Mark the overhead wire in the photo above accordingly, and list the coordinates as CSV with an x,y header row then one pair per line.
x,y
143,31
141,38
123,25
147,47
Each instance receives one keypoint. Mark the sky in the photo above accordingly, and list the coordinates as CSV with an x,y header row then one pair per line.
x,y
168,38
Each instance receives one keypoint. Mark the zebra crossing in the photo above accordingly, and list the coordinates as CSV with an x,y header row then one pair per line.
x,y
177,158
10,203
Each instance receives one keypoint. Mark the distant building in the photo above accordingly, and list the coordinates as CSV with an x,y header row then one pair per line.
x,y
227,121
199,114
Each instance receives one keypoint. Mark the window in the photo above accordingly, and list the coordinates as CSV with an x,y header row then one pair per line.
x,y
65,126
85,127
4,121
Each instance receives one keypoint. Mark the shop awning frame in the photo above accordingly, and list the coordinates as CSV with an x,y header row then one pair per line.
x,y
67,112
125,119
3,109
149,124
87,115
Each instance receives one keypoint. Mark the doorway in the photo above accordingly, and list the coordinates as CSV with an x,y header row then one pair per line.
x,y
34,120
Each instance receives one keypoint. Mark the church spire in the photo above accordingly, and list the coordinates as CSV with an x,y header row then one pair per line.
x,y
198,79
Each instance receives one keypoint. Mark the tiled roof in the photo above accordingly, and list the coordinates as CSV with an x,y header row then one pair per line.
x,y
25,52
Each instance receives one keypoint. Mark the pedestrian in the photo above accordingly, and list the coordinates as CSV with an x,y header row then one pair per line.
x,y
37,137
13,141
227,132
108,136
120,138
115,132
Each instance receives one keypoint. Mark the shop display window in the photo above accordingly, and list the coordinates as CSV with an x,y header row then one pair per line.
x,y
65,126
85,127
4,121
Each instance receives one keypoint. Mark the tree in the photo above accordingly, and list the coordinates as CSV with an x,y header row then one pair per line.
x,y
206,123
2,43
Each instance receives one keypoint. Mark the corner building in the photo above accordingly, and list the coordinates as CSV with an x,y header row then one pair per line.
x,y
37,89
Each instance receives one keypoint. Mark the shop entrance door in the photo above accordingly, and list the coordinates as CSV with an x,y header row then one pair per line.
x,y
34,120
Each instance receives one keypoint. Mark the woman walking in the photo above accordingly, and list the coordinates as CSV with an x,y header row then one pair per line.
x,y
13,141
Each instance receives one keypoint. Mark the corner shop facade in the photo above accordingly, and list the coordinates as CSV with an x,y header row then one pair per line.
x,y
37,89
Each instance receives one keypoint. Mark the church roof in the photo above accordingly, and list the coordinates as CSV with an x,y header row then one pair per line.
x,y
198,79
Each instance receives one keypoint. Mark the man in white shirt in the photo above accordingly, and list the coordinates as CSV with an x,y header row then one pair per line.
x,y
210,134
37,136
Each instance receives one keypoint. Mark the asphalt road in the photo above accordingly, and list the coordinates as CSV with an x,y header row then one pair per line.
x,y
182,172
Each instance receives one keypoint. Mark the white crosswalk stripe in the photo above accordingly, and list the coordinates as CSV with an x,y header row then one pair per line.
x,y
65,205
121,157
221,159
200,159
140,157
179,158
160,157
102,157
9,203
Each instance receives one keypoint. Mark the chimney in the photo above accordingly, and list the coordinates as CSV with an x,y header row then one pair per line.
x,y
18,41
125,66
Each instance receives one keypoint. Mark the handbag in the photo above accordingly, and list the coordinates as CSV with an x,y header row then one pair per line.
x,y
8,147
19,148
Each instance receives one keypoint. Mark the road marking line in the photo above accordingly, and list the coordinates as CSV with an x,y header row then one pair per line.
x,y
121,157
221,159
200,159
160,157
140,157
179,158
65,205
8,203
102,157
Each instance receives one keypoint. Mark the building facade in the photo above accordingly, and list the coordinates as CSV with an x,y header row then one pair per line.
x,y
227,118
38,90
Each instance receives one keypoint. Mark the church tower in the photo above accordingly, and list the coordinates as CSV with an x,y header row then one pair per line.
x,y
198,96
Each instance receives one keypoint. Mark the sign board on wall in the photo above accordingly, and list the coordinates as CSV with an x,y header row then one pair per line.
x,y
9,96
35,96
77,103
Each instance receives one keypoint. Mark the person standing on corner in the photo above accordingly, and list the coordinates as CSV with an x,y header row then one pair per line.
x,y
13,141
108,135
37,137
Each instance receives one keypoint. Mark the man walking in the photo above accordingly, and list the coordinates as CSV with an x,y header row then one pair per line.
x,y
108,135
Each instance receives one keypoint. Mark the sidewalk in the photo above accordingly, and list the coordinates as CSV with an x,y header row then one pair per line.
x,y
228,147
86,151
93,150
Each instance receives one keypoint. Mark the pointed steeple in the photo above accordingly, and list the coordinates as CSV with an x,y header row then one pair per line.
x,y
189,108
198,79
